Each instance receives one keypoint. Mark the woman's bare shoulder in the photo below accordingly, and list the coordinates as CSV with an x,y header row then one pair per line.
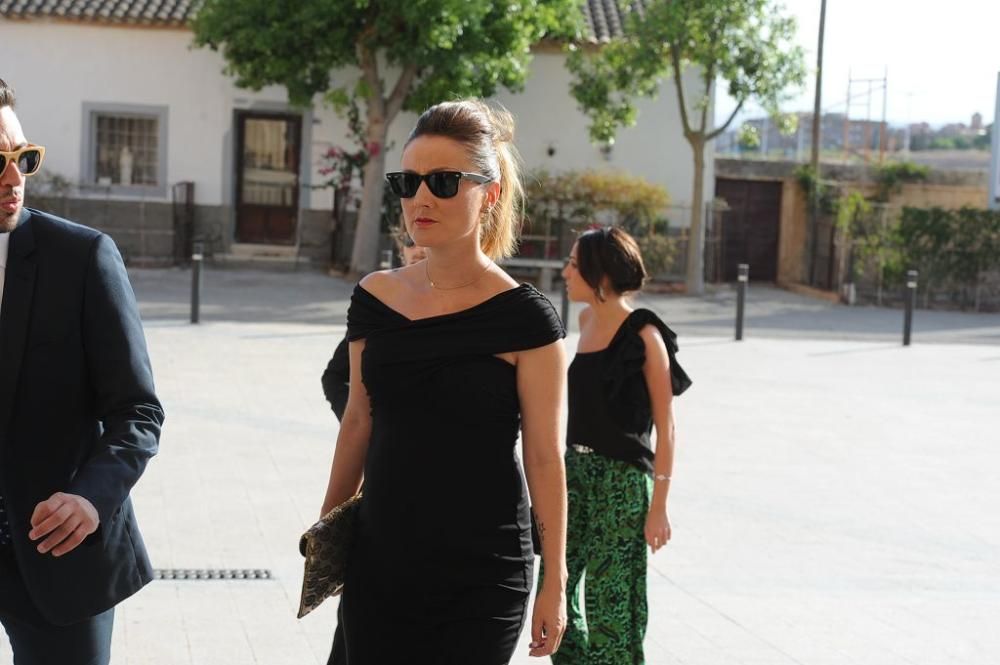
x,y
385,284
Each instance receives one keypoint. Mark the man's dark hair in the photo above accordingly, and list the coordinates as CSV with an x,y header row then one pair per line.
x,y
6,95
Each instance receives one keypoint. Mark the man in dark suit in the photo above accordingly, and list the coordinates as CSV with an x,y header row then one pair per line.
x,y
79,420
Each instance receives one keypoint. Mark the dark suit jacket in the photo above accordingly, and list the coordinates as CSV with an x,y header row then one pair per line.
x,y
78,413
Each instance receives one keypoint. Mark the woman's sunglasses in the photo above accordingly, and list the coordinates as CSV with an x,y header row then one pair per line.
x,y
27,159
443,184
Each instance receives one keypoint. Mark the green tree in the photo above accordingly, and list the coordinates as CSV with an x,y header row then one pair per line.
x,y
749,137
983,141
747,44
942,143
390,56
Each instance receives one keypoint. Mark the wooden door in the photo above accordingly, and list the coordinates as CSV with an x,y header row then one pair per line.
x,y
750,229
267,177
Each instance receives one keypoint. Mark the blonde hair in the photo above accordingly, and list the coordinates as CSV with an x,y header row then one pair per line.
x,y
487,132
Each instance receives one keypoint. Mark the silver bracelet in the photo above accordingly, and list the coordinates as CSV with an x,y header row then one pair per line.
x,y
660,476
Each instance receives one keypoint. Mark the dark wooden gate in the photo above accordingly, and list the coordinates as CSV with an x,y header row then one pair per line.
x,y
750,228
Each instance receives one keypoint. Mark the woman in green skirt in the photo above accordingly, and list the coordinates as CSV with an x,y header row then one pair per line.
x,y
621,384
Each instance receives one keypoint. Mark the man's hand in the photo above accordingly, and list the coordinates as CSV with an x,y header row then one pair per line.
x,y
64,520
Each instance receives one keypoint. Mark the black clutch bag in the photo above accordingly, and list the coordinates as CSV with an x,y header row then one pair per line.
x,y
326,546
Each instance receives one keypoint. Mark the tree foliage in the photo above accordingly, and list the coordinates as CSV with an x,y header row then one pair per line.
x,y
951,249
746,44
456,48
387,55
748,137
824,192
891,177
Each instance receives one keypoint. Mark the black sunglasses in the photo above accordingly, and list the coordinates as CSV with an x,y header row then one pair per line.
x,y
28,159
443,184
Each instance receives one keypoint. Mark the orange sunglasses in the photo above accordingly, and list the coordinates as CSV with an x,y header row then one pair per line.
x,y
27,159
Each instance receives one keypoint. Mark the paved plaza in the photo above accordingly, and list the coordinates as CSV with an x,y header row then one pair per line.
x,y
834,500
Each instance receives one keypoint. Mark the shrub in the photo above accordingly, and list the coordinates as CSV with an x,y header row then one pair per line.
x,y
573,201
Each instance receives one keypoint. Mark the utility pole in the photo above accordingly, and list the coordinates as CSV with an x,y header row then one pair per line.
x,y
819,92
995,169
811,234
882,127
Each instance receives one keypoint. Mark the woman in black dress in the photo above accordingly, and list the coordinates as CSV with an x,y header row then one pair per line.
x,y
449,358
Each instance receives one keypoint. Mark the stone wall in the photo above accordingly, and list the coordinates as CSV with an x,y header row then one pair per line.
x,y
946,189
751,169
146,236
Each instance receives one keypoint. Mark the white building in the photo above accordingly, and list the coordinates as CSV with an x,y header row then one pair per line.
x,y
127,108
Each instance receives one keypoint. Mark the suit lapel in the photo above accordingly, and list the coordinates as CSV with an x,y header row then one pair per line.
x,y
18,291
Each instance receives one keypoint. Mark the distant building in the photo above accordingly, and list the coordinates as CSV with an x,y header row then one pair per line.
x,y
954,129
836,132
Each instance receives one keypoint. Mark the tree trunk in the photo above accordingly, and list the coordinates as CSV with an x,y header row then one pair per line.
x,y
367,233
695,276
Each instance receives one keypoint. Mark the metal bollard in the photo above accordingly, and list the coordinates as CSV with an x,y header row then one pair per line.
x,y
741,297
386,262
909,304
196,259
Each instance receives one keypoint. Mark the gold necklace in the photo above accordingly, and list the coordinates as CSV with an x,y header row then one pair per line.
x,y
427,272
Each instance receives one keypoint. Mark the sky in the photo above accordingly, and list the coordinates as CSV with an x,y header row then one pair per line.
x,y
941,59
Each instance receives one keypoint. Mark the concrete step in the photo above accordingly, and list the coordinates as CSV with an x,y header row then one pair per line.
x,y
255,256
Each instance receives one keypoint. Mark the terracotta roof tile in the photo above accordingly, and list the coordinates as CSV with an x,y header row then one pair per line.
x,y
603,17
140,12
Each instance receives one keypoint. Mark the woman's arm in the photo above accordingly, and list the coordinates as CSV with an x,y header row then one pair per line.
x,y
352,442
656,370
541,376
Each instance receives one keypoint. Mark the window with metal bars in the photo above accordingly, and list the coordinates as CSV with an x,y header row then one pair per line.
x,y
126,150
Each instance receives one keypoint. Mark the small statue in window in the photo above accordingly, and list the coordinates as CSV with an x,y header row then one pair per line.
x,y
125,166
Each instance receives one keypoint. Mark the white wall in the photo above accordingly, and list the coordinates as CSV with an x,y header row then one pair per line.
x,y
546,114
128,65
82,63
117,65
655,148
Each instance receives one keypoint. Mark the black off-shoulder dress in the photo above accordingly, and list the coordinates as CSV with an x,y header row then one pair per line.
x,y
442,568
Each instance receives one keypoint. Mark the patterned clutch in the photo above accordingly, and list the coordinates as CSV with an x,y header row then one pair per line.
x,y
326,546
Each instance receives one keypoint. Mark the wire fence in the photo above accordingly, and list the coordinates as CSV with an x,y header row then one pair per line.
x,y
868,265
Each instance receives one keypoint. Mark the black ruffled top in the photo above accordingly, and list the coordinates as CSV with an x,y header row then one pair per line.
x,y
609,406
